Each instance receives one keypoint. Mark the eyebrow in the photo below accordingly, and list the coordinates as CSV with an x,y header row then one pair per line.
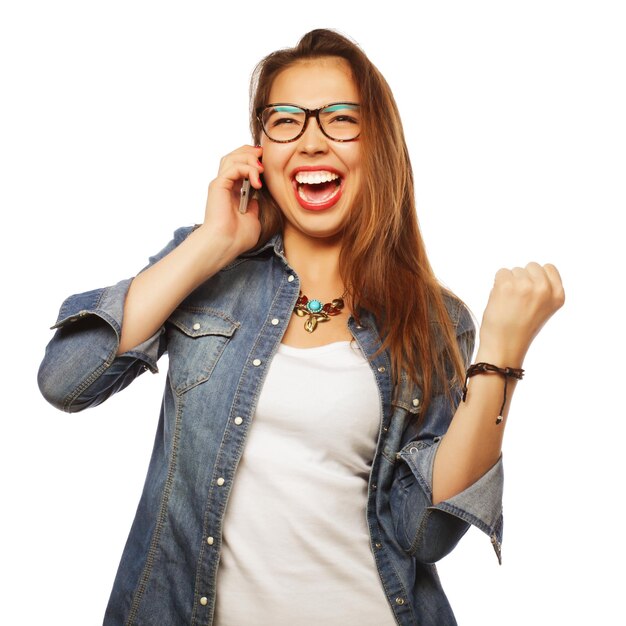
x,y
340,106
286,109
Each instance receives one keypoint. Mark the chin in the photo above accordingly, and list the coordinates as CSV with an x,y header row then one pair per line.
x,y
318,230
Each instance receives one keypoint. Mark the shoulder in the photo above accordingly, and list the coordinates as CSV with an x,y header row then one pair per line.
x,y
180,234
460,316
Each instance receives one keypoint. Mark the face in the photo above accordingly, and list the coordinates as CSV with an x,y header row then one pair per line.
x,y
314,180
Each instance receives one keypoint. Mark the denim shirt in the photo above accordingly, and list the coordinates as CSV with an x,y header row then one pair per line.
x,y
220,342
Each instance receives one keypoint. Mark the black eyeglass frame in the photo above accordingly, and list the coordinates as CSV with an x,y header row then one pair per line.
x,y
308,113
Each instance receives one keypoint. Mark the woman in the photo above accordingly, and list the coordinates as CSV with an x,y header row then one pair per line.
x,y
315,366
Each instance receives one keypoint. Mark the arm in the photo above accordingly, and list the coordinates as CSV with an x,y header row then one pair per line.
x,y
430,531
225,234
520,303
105,338
451,475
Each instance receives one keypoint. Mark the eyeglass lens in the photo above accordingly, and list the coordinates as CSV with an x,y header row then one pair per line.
x,y
284,122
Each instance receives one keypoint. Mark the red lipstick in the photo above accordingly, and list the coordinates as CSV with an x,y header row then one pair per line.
x,y
317,187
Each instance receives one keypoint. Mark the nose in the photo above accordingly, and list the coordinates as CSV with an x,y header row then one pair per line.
x,y
312,140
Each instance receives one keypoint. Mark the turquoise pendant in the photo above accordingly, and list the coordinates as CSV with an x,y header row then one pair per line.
x,y
314,306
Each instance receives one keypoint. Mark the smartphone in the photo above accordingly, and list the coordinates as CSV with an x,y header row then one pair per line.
x,y
245,196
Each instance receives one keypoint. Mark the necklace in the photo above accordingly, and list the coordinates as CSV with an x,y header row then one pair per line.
x,y
316,311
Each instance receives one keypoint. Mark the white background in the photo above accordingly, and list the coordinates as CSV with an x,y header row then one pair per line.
x,y
114,116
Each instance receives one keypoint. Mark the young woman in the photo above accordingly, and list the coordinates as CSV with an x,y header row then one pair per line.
x,y
313,458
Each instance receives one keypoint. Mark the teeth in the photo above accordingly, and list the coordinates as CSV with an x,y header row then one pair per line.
x,y
314,178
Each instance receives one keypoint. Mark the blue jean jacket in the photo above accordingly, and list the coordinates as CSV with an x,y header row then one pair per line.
x,y
220,342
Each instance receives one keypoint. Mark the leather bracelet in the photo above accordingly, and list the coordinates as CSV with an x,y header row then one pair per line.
x,y
485,368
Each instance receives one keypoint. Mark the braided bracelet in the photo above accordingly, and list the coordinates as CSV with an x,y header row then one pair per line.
x,y
484,368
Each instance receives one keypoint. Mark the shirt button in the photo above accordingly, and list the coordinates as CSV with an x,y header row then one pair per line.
x,y
220,481
238,420
210,540
256,362
416,401
291,278
275,321
196,326
204,601
400,601
381,369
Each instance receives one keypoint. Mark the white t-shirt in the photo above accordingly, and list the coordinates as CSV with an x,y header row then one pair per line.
x,y
295,546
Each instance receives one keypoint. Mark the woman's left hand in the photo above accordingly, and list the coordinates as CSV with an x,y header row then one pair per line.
x,y
521,302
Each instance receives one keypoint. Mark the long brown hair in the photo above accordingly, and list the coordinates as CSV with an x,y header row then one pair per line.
x,y
383,259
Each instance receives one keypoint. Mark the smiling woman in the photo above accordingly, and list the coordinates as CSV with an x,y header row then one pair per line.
x,y
314,178
333,458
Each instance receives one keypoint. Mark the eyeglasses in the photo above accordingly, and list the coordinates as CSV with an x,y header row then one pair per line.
x,y
283,122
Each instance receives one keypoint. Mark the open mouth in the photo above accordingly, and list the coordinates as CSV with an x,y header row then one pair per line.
x,y
318,189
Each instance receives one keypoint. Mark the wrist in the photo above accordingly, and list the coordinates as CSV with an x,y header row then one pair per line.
x,y
489,369
500,355
211,252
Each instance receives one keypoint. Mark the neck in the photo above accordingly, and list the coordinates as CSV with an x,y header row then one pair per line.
x,y
316,261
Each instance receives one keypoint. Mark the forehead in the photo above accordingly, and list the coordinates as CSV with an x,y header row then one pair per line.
x,y
315,82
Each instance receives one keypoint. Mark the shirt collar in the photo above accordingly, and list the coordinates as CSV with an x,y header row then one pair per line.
x,y
275,242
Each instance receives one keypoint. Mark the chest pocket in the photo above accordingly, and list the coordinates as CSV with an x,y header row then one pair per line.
x,y
195,342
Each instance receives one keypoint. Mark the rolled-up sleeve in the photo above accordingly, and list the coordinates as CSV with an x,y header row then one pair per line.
x,y
430,532
440,526
80,367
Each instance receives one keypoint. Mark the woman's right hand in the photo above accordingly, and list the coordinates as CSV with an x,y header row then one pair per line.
x,y
225,234
232,232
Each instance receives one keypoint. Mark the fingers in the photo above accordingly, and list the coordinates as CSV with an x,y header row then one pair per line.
x,y
547,279
544,280
557,284
534,279
242,163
